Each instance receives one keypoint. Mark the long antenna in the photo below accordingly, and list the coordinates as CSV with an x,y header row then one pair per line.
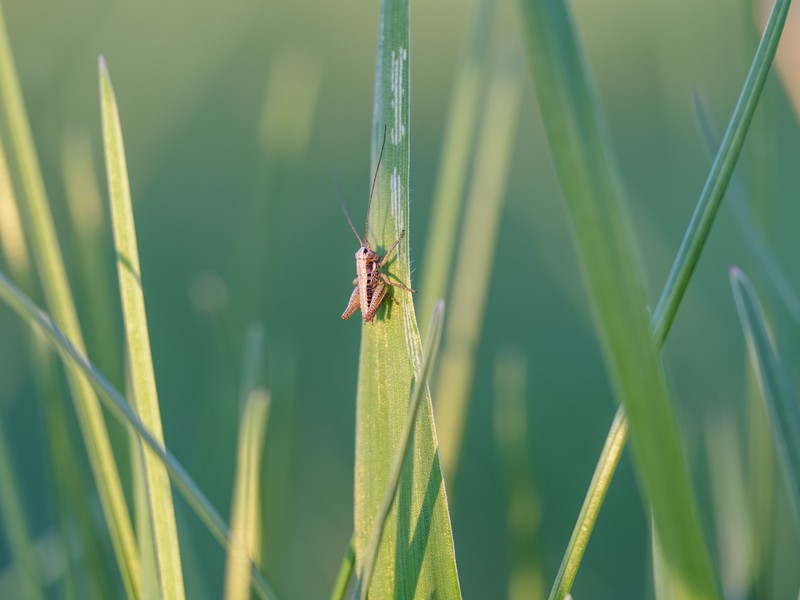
x,y
344,208
374,179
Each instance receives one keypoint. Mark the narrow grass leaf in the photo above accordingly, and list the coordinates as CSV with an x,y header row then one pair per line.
x,y
593,195
458,140
776,388
416,559
738,201
526,581
595,495
245,540
401,454
121,410
345,573
475,257
143,382
729,497
38,223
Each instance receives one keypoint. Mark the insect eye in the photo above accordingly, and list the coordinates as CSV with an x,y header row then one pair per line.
x,y
363,251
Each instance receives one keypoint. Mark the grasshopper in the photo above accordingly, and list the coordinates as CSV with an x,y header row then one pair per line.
x,y
370,282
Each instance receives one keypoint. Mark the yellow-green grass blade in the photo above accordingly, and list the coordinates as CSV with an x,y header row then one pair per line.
x,y
15,525
526,581
416,559
345,573
140,361
457,144
121,410
38,224
245,544
730,501
601,480
401,454
606,249
775,385
475,257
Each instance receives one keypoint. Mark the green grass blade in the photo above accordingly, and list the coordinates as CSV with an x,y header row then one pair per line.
x,y
593,195
721,171
38,223
776,388
458,140
15,525
401,454
417,558
738,201
345,573
120,409
245,544
164,530
526,581
476,252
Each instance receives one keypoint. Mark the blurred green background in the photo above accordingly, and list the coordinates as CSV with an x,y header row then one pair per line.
x,y
235,116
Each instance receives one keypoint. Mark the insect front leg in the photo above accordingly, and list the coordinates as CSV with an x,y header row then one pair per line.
x,y
385,259
353,305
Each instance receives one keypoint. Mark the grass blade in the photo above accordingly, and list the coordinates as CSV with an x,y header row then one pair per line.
x,y
601,480
38,223
459,133
729,495
417,558
164,530
738,201
120,409
680,273
720,175
593,195
345,573
776,388
526,581
245,544
476,251
420,384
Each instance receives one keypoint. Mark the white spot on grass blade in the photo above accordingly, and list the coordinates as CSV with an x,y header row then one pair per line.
x,y
396,199
399,57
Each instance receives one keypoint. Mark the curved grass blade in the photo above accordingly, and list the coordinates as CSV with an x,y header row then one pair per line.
x,y
776,388
420,384
245,541
457,145
593,195
163,528
122,411
476,250
416,559
38,223
681,271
